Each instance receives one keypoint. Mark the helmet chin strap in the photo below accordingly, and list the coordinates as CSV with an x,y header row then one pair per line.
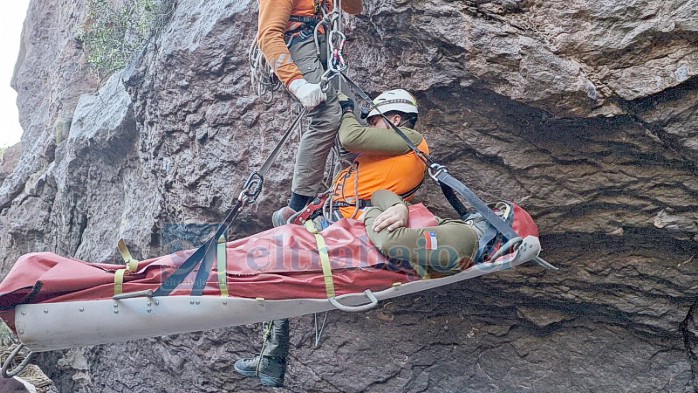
x,y
404,119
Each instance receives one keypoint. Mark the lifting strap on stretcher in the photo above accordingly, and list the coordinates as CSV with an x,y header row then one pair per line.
x,y
324,258
221,266
131,267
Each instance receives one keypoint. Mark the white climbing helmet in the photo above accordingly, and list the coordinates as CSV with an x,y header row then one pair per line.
x,y
394,100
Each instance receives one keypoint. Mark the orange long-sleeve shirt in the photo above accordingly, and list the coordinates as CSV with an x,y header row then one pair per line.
x,y
384,162
274,18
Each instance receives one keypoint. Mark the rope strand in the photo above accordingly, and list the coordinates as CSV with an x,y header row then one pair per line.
x,y
263,80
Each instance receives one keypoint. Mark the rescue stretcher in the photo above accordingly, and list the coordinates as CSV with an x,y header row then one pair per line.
x,y
57,303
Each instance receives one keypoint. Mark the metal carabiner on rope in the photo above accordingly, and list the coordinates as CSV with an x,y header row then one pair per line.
x,y
435,170
326,22
336,42
252,188
326,78
331,21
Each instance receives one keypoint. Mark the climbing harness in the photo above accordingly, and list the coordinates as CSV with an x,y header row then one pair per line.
x,y
325,205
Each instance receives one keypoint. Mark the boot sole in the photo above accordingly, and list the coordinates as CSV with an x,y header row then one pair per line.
x,y
266,380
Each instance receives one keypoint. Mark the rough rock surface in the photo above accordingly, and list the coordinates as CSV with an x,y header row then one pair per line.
x,y
9,160
583,112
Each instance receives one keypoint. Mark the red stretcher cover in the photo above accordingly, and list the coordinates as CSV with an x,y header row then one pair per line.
x,y
281,263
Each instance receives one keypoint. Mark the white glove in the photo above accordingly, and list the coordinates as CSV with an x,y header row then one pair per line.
x,y
309,94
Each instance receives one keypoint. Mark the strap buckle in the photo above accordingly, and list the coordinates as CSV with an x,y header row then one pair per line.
x,y
435,170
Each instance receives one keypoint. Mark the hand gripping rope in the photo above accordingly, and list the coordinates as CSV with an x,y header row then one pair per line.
x,y
264,81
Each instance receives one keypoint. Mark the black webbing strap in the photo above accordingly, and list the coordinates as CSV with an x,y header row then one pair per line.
x,y
446,179
363,203
305,19
206,253
452,198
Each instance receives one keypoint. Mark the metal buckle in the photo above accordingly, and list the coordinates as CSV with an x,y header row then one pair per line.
x,y
435,170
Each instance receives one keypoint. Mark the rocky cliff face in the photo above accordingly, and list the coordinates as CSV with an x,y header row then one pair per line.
x,y
583,112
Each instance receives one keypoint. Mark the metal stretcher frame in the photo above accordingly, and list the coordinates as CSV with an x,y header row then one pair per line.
x,y
52,326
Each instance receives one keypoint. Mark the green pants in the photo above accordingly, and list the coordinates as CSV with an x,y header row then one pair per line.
x,y
318,140
442,249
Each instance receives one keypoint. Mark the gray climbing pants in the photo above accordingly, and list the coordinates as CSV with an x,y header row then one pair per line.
x,y
318,140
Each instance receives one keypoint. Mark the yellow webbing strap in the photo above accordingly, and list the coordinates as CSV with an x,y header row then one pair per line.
x,y
119,281
131,263
222,266
131,267
324,257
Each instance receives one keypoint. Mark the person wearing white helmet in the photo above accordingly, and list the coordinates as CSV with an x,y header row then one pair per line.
x,y
380,157
391,103
383,160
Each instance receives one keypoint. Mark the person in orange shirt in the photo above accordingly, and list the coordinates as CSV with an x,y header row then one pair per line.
x,y
286,39
383,161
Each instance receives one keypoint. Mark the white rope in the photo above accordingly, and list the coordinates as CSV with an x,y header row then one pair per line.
x,y
264,82
319,329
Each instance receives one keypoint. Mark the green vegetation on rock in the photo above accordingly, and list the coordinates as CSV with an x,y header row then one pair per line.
x,y
114,31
